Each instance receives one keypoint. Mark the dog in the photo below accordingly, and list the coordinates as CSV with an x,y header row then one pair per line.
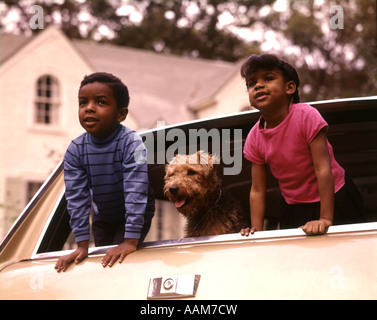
x,y
193,185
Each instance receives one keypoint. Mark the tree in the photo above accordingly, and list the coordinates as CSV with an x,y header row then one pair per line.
x,y
188,27
332,62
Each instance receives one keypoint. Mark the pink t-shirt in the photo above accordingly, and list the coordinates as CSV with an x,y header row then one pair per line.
x,y
286,150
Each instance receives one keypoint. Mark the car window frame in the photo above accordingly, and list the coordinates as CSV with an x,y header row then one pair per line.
x,y
48,225
32,203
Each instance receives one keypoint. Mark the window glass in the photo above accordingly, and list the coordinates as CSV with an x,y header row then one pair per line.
x,y
47,100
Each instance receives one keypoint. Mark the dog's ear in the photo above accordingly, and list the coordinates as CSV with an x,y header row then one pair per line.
x,y
215,164
215,159
203,157
199,157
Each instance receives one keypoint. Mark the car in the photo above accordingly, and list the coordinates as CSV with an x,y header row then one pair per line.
x,y
271,264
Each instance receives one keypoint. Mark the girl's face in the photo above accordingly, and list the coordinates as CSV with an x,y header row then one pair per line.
x,y
99,114
268,89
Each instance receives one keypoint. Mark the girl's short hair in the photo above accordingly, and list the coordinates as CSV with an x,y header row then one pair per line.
x,y
269,62
120,90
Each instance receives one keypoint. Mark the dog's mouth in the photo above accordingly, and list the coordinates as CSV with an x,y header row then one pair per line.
x,y
179,200
181,203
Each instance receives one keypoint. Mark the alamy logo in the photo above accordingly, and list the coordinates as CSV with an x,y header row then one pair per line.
x,y
337,20
37,20
337,277
167,142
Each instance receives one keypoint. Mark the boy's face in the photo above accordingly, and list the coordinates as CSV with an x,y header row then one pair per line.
x,y
99,114
268,89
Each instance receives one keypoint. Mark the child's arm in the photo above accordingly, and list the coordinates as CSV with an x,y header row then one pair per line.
x,y
136,193
78,198
322,168
257,199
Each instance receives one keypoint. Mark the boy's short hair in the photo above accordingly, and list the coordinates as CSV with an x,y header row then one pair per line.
x,y
120,90
269,62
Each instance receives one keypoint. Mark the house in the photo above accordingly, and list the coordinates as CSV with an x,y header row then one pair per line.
x,y
39,81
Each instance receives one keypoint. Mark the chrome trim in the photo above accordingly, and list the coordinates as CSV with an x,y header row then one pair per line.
x,y
39,194
262,235
195,121
250,112
270,235
355,99
47,224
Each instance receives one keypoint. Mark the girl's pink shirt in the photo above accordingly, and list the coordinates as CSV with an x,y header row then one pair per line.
x,y
286,149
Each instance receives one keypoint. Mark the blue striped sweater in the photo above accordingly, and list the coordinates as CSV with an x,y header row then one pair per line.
x,y
104,175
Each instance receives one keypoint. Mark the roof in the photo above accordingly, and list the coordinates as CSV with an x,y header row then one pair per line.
x,y
10,43
164,87
161,86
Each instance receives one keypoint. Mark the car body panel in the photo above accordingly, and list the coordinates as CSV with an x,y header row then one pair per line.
x,y
20,242
268,265
272,264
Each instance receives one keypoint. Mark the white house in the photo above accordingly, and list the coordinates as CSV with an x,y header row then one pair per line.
x,y
39,81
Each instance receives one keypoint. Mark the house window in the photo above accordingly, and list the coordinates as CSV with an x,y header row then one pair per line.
x,y
47,100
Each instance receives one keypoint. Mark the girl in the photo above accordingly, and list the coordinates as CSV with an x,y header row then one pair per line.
x,y
290,137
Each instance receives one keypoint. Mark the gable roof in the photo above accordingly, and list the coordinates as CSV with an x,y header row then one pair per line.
x,y
162,87
10,43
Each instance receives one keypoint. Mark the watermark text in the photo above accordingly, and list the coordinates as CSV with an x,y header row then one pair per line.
x,y
166,143
337,20
37,20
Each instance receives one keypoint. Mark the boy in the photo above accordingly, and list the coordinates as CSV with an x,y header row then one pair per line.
x,y
290,137
101,174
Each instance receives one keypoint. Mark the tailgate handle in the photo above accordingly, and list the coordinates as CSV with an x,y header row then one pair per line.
x,y
181,286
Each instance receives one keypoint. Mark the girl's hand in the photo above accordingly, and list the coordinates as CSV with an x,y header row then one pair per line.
x,y
316,226
247,231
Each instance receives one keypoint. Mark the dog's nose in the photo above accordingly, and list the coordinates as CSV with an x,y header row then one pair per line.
x,y
173,190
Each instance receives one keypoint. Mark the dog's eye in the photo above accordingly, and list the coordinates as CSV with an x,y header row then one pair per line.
x,y
191,172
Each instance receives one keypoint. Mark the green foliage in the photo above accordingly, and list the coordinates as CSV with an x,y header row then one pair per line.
x,y
332,62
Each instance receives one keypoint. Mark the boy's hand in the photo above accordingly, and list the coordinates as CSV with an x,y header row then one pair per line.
x,y
247,231
77,256
119,252
316,226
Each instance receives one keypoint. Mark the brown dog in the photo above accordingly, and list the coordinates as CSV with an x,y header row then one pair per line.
x,y
192,184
